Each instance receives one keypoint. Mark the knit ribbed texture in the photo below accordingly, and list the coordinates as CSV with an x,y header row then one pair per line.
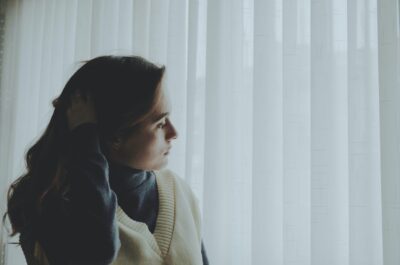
x,y
161,239
177,235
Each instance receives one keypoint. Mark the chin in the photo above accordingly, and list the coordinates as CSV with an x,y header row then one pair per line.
x,y
161,165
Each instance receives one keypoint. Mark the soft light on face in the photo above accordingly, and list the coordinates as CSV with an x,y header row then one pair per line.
x,y
147,148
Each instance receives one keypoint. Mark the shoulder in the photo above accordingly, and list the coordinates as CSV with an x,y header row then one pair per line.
x,y
184,192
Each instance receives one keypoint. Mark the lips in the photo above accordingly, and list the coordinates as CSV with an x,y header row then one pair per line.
x,y
167,152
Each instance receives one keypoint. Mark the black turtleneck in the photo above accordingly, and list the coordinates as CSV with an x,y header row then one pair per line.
x,y
136,191
81,228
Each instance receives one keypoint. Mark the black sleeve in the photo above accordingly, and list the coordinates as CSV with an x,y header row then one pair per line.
x,y
204,254
82,229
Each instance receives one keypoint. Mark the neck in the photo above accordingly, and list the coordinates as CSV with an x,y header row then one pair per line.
x,y
125,179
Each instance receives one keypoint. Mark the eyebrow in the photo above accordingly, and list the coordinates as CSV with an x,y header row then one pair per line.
x,y
159,117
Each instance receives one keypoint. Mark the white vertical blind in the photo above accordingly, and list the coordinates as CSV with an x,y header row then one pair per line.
x,y
389,122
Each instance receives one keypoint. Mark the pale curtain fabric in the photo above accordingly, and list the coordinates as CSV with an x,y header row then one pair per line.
x,y
287,112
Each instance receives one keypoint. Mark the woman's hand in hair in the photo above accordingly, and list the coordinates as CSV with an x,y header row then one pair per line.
x,y
81,110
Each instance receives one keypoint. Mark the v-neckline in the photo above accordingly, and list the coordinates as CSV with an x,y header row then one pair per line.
x,y
160,240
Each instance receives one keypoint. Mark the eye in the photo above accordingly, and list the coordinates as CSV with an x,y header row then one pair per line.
x,y
161,125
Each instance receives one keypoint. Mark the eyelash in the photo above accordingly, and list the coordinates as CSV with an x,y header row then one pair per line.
x,y
161,125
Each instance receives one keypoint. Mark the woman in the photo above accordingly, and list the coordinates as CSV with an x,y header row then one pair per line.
x,y
95,191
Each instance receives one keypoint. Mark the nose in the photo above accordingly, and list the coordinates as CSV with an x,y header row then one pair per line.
x,y
172,133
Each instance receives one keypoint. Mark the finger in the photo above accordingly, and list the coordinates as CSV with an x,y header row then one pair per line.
x,y
77,96
74,99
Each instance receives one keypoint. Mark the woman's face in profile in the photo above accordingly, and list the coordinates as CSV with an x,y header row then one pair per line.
x,y
148,147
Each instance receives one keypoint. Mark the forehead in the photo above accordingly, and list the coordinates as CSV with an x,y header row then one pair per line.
x,y
164,102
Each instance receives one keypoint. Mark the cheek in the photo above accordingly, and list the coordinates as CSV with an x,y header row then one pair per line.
x,y
147,151
152,155
151,144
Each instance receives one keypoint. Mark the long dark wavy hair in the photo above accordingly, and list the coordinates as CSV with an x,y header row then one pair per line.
x,y
125,90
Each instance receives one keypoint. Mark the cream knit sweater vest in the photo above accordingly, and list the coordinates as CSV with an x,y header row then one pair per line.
x,y
177,236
